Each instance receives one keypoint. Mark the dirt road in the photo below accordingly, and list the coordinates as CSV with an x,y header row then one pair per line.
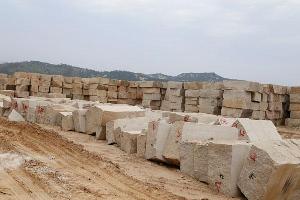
x,y
40,163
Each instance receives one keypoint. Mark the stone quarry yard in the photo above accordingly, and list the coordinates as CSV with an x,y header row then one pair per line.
x,y
43,162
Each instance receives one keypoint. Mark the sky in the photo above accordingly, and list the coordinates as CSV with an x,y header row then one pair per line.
x,y
257,40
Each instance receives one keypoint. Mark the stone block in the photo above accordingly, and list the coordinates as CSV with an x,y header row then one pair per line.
x,y
210,93
57,81
295,90
201,161
191,101
141,145
295,98
112,95
151,96
256,130
44,89
192,85
192,93
210,110
276,106
225,162
262,161
99,115
242,85
284,183
14,116
258,115
65,120
236,113
175,85
151,90
206,132
151,84
176,92
171,149
186,153
207,102
79,119
156,138
256,97
56,90
129,141
191,108
22,94
295,114
295,107
292,122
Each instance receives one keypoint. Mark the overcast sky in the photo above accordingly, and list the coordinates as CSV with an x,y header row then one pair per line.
x,y
255,40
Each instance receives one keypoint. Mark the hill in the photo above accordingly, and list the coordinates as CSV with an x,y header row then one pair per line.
x,y
68,70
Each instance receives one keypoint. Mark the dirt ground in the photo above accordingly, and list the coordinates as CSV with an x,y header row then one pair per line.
x,y
45,163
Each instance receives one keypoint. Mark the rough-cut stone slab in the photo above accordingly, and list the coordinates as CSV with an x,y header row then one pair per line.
x,y
115,127
79,119
99,115
65,120
14,116
156,138
129,141
225,162
171,149
256,130
262,161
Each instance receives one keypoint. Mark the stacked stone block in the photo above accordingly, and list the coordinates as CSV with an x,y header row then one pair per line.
x,y
67,87
174,97
3,81
151,94
77,88
112,93
22,82
192,94
277,104
294,120
44,85
238,101
210,98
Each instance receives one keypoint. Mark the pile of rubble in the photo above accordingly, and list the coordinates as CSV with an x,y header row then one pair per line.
x,y
234,156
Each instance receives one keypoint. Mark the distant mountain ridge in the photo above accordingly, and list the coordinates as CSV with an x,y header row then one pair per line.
x,y
68,70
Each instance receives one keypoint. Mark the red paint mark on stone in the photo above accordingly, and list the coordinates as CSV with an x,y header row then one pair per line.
x,y
242,133
218,185
253,156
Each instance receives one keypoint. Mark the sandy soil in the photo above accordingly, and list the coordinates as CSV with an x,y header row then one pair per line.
x,y
46,163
